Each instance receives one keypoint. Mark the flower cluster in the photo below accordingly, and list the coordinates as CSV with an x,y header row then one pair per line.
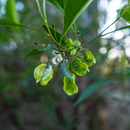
x,y
73,60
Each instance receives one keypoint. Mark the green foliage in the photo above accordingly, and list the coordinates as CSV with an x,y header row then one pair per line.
x,y
71,54
90,89
34,52
50,107
11,12
126,15
72,11
55,34
60,4
8,23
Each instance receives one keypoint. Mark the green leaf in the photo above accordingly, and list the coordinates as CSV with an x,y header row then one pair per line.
x,y
34,52
126,16
55,34
74,27
11,12
7,23
73,10
90,89
60,4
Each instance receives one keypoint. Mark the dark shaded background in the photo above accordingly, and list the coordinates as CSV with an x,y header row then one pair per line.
x,y
25,105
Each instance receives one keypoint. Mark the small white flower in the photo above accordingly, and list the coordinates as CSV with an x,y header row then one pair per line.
x,y
57,59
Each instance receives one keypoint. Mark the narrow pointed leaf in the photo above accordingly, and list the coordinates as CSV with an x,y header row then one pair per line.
x,y
34,52
60,4
7,23
90,89
11,12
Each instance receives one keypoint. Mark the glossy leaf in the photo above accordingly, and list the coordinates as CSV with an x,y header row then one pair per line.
x,y
55,34
60,4
8,23
73,10
11,12
126,16
34,52
70,87
90,89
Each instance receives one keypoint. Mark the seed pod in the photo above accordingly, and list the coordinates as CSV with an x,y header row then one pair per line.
x,y
69,85
43,73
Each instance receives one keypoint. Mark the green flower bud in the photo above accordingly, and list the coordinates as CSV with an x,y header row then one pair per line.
x,y
78,69
77,43
90,57
82,64
69,85
73,51
43,74
69,43
89,63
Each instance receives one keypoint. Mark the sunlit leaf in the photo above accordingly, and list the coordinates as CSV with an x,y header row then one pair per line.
x,y
73,10
126,16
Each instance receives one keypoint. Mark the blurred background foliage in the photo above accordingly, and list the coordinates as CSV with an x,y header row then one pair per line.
x,y
25,105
